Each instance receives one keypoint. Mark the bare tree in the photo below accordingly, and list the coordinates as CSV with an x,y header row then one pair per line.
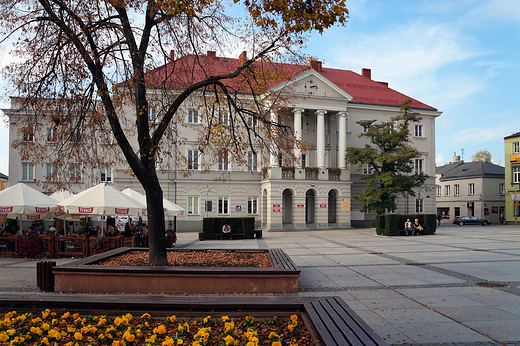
x,y
92,67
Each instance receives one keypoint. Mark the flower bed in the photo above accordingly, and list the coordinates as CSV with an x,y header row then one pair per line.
x,y
49,328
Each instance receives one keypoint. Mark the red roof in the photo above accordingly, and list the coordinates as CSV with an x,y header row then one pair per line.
x,y
191,69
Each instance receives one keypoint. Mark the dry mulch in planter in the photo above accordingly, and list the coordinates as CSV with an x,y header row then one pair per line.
x,y
194,259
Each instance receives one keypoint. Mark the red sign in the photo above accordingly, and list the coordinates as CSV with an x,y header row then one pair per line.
x,y
42,209
182,212
276,208
3,214
59,213
121,211
33,217
6,210
86,210
300,206
323,206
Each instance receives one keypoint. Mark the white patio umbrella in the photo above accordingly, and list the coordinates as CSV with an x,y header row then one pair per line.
x,y
171,209
61,196
103,200
26,203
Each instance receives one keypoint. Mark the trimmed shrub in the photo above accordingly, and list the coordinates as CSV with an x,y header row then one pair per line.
x,y
430,222
213,225
380,224
392,224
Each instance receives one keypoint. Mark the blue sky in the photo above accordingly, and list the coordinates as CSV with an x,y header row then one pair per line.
x,y
461,57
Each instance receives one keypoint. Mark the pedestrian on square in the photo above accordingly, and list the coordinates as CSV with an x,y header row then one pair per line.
x,y
501,219
439,218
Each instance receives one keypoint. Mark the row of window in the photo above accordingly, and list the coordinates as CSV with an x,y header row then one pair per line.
x,y
471,190
193,117
418,167
418,130
223,161
222,205
50,171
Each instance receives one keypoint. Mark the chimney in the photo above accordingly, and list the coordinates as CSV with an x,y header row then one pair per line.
x,y
316,65
366,72
211,54
242,58
456,158
172,55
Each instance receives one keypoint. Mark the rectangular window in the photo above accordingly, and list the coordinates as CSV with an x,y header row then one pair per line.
x,y
252,122
419,205
457,211
471,189
251,162
223,205
418,131
51,135
193,116
280,160
252,205
27,171
106,175
365,129
151,115
304,160
75,171
392,129
50,172
223,162
448,190
28,134
224,117
439,191
516,174
457,189
367,169
516,147
193,205
502,189
419,166
193,159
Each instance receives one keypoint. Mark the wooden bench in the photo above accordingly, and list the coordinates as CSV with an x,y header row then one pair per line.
x,y
337,324
218,235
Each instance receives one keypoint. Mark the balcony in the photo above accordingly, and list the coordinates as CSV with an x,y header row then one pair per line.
x,y
334,173
287,172
311,173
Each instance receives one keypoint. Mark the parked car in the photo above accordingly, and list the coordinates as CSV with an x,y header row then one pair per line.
x,y
471,220
456,220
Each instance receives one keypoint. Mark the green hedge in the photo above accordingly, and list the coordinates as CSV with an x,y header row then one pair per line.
x,y
390,224
213,225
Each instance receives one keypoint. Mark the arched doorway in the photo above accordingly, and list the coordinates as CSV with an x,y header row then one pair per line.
x,y
287,206
309,206
264,207
332,206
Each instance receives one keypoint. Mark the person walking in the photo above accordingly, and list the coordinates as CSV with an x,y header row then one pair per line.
x,y
439,218
501,219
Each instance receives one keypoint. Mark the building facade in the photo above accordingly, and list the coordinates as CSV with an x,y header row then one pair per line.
x,y
470,189
512,178
314,191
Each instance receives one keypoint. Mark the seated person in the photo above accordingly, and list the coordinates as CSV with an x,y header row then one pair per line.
x,y
417,228
53,230
226,229
408,227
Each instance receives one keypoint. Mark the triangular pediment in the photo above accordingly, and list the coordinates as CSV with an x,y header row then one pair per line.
x,y
312,84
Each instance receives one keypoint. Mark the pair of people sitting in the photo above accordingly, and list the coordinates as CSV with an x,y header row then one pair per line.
x,y
412,228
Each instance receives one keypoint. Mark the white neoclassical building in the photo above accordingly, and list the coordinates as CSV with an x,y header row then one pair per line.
x,y
310,189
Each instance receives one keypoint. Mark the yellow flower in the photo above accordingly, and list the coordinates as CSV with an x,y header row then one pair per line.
x,y
276,343
101,321
146,316
273,335
172,318
290,327
75,316
161,329
66,315
118,321
129,316
10,314
3,337
78,336
167,341
115,343
46,313
71,329
229,340
179,341
294,318
101,336
45,341
225,318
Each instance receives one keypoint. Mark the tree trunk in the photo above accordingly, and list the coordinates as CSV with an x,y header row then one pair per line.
x,y
156,229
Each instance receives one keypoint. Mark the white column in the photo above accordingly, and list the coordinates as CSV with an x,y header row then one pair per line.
x,y
320,138
273,162
297,113
342,139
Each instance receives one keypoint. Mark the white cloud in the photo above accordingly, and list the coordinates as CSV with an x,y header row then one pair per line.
x,y
4,165
493,10
439,159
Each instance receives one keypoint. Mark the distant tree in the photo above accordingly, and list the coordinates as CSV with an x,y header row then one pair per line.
x,y
390,158
92,67
482,155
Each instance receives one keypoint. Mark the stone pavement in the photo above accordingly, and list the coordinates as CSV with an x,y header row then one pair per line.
x,y
460,286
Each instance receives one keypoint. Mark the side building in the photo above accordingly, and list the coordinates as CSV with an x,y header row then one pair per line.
x,y
470,189
314,191
512,179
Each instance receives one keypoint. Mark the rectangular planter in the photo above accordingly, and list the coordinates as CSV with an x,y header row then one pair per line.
x,y
84,276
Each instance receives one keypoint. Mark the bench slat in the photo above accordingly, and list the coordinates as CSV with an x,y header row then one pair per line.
x,y
367,330
322,330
